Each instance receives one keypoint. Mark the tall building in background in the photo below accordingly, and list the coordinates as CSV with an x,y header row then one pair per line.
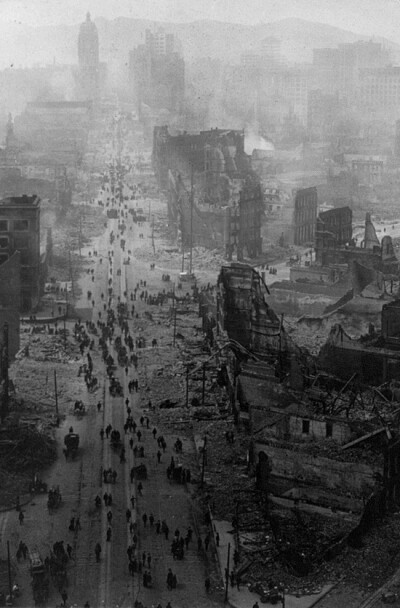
x,y
339,70
88,59
157,72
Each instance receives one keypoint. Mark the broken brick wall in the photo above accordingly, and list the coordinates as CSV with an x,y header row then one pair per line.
x,y
296,467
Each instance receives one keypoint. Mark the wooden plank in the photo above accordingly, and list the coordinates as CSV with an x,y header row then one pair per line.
x,y
363,438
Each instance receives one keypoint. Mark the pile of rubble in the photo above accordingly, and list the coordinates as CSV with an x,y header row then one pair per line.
x,y
47,347
24,449
203,259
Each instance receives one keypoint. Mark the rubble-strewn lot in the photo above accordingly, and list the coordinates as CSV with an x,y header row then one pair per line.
x,y
268,534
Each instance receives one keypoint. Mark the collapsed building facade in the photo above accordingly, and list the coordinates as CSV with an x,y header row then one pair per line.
x,y
373,357
314,440
214,197
340,271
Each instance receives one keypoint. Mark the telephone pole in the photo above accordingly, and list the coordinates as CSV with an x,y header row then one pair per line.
x,y
203,465
152,234
56,396
204,384
6,381
187,386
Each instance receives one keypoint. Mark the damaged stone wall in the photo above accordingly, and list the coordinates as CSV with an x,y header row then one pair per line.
x,y
343,357
298,468
339,430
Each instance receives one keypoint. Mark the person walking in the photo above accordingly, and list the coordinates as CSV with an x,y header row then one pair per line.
x,y
144,518
140,488
217,539
21,518
158,456
207,584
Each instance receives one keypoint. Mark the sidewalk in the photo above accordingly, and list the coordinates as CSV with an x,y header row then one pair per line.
x,y
244,598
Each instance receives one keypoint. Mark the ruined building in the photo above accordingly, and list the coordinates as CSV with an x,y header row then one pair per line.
x,y
305,215
334,229
214,197
157,72
314,441
375,357
20,231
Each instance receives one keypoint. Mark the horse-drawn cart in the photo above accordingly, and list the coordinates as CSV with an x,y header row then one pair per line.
x,y
40,579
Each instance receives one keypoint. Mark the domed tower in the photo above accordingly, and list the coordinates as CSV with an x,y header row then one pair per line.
x,y
88,44
88,56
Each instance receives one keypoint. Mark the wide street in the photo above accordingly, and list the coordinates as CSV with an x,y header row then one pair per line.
x,y
114,299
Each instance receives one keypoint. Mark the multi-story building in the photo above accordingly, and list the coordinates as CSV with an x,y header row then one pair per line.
x,y
339,69
157,72
214,196
20,231
305,215
91,73
368,169
267,58
379,90
334,229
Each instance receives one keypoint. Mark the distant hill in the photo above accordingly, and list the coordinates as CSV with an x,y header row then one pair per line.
x,y
21,45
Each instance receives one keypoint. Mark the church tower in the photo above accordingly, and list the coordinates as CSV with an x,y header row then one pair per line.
x,y
88,57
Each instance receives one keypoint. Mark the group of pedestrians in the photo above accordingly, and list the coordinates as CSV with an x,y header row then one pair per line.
x,y
117,346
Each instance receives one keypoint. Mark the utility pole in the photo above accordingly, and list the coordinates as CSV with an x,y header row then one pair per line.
x,y
187,386
227,572
174,313
6,383
203,464
56,396
174,340
80,235
280,345
204,384
191,221
9,569
70,273
152,234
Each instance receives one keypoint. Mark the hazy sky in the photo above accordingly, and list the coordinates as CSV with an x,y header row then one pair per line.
x,y
374,17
